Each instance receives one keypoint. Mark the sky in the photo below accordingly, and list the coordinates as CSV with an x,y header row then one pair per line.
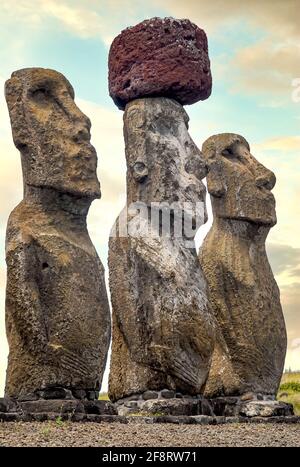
x,y
254,49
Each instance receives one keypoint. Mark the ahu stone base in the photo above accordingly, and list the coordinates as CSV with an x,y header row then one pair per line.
x,y
137,409
53,409
167,402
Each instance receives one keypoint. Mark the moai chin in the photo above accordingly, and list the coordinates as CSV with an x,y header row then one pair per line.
x,y
251,336
57,311
163,334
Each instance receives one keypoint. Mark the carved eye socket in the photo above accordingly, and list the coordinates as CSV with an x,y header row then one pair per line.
x,y
230,154
41,95
227,153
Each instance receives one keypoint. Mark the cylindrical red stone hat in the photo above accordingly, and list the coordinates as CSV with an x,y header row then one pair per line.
x,y
160,57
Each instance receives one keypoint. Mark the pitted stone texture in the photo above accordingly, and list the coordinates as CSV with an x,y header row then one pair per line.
x,y
160,57
196,405
171,407
79,393
134,403
54,406
57,310
250,331
235,406
99,407
29,397
167,394
56,393
150,395
62,406
7,405
163,331
266,409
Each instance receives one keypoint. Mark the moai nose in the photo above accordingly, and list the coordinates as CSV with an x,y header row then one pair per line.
x,y
266,179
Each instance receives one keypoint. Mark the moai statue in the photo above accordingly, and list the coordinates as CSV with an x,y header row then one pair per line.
x,y
163,332
251,338
57,311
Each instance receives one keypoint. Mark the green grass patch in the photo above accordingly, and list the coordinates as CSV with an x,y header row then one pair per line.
x,y
291,386
289,390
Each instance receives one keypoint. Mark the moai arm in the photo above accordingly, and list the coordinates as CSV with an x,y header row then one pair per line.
x,y
23,307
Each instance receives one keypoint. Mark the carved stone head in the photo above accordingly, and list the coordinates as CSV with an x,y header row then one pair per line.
x,y
240,187
163,162
52,134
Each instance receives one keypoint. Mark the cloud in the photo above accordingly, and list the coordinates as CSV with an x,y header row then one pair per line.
x,y
295,343
292,360
281,154
290,300
80,19
267,67
102,19
271,60
279,17
285,143
107,137
284,258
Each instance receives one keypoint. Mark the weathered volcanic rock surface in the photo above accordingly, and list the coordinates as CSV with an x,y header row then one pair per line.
x,y
250,329
57,310
163,332
160,57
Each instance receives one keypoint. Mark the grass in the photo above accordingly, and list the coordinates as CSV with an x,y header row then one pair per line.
x,y
289,390
59,421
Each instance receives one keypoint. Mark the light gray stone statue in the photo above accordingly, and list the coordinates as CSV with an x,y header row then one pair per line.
x,y
251,336
163,334
57,311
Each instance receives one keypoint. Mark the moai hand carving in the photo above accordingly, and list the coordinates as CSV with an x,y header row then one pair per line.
x,y
57,311
163,334
251,336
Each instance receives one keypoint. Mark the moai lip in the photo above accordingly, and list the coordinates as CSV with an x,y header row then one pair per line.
x,y
160,57
250,330
57,311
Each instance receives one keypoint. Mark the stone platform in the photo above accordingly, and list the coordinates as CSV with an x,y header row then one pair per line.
x,y
167,402
162,409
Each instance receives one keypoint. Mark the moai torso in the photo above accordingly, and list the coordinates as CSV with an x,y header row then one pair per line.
x,y
251,337
163,333
57,312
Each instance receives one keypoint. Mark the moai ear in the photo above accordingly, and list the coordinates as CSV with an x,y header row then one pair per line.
x,y
215,180
140,171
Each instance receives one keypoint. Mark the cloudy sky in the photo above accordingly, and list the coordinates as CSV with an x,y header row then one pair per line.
x,y
255,56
